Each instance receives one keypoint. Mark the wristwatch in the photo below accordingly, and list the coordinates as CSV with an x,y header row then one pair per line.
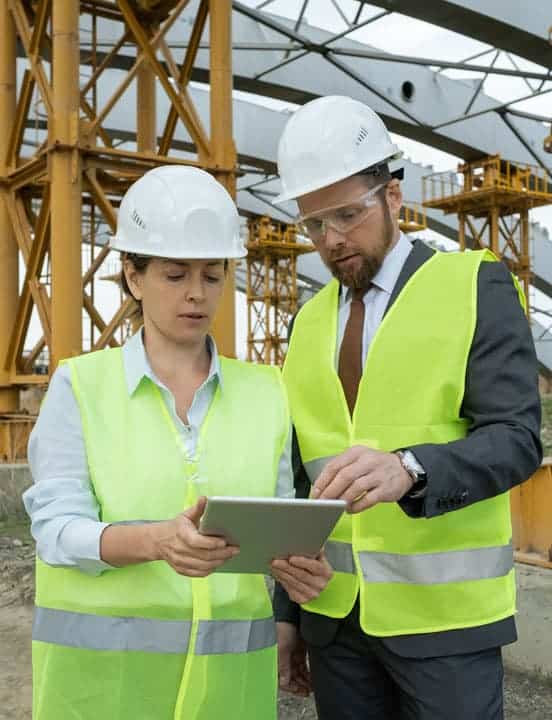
x,y
412,467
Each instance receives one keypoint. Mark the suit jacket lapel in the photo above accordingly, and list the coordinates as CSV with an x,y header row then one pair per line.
x,y
419,254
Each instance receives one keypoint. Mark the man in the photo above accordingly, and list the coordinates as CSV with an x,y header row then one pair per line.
x,y
413,389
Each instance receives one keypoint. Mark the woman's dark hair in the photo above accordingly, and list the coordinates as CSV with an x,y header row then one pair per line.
x,y
140,263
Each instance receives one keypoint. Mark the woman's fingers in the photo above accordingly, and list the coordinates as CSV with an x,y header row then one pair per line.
x,y
207,555
188,534
192,566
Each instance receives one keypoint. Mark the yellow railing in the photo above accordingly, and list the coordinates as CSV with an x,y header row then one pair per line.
x,y
487,174
265,232
412,217
442,185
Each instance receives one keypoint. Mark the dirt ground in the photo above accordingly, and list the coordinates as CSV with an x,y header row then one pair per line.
x,y
526,697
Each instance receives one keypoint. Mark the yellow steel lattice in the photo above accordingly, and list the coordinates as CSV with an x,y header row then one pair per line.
x,y
492,198
272,295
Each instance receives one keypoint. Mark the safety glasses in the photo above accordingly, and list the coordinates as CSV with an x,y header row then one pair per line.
x,y
341,218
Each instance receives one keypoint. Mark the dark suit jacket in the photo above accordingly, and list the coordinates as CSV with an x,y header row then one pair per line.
x,y
502,449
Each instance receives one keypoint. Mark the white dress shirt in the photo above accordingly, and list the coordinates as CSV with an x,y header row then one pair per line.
x,y
375,303
377,297
62,506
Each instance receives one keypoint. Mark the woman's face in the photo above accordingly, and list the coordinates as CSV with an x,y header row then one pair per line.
x,y
179,297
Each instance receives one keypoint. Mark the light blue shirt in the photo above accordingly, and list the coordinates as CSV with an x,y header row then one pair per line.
x,y
62,506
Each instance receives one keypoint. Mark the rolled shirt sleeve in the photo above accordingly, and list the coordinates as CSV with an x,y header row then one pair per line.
x,y
61,503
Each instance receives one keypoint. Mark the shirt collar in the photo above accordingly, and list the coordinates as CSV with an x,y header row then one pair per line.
x,y
388,274
137,365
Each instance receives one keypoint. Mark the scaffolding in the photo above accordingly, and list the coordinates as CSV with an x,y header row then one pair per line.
x,y
57,191
492,198
272,291
412,218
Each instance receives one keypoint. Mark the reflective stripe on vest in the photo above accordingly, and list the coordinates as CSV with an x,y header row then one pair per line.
x,y
217,637
340,556
434,568
101,632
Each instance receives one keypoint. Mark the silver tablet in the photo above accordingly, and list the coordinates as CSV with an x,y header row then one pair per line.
x,y
269,528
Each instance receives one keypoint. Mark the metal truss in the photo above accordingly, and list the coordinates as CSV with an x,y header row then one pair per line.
x,y
271,288
513,26
304,43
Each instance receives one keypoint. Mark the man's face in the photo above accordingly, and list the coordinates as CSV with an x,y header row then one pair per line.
x,y
354,257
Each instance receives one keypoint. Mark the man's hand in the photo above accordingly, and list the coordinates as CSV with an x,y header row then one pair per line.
x,y
293,674
303,578
179,543
363,477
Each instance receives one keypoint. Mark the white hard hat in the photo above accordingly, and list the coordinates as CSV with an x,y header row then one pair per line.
x,y
180,212
327,140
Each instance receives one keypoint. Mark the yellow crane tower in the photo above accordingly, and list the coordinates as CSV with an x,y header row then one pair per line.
x,y
492,198
76,172
272,292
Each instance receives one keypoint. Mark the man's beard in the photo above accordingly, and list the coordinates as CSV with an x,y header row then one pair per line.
x,y
371,263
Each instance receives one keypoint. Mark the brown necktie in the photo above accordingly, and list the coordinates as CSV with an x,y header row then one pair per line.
x,y
350,354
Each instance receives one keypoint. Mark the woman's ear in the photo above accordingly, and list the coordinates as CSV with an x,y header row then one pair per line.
x,y
133,278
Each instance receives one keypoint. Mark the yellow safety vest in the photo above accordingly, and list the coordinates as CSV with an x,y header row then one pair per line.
x,y
414,575
143,642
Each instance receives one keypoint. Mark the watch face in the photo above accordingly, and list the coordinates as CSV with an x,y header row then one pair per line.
x,y
410,469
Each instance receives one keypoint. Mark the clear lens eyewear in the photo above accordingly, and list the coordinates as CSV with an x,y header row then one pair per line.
x,y
341,218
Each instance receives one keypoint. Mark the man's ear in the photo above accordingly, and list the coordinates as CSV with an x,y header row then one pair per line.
x,y
394,197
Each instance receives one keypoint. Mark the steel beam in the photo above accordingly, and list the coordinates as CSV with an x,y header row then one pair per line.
x,y
146,113
185,72
222,146
179,100
509,24
34,262
66,185
9,256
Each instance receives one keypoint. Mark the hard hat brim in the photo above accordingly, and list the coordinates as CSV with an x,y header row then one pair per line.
x,y
118,245
325,182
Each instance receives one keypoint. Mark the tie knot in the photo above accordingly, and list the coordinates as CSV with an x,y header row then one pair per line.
x,y
359,293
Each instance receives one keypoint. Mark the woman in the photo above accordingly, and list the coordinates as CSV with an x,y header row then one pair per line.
x,y
131,619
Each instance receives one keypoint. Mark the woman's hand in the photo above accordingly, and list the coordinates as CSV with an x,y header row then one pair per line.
x,y
182,546
303,578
